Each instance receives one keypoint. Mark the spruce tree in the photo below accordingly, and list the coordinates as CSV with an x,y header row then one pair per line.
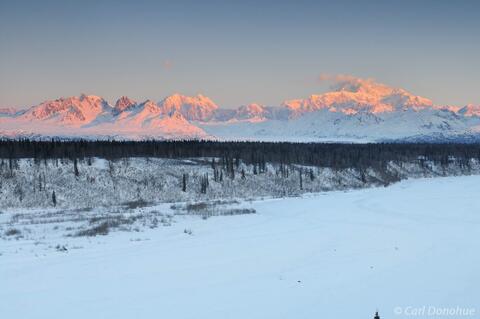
x,y
184,183
204,184
301,180
75,167
54,199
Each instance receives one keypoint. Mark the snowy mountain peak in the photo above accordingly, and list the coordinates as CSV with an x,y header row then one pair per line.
x,y
352,95
470,110
72,110
150,106
251,111
193,108
347,83
124,103
253,108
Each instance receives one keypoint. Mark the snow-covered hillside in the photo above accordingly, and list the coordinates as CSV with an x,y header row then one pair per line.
x,y
330,255
324,125
354,110
93,182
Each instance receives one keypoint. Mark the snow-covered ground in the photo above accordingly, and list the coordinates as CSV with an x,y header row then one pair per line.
x,y
329,255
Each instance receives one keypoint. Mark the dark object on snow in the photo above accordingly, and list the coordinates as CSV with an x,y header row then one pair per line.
x,y
12,232
75,167
376,315
54,199
61,248
184,183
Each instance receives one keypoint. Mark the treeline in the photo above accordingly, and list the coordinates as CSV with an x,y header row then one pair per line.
x,y
334,155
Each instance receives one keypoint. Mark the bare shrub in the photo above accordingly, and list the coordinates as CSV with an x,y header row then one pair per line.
x,y
101,229
154,223
238,211
13,232
155,212
228,212
61,248
166,221
95,219
106,224
225,202
136,204
204,208
195,207
176,206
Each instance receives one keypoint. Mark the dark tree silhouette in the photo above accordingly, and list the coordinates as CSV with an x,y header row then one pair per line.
x,y
75,167
184,182
204,184
228,155
300,178
54,199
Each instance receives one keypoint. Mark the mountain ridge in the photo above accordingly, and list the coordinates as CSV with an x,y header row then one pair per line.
x,y
354,108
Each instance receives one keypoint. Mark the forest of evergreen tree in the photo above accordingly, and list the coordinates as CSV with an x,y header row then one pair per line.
x,y
334,155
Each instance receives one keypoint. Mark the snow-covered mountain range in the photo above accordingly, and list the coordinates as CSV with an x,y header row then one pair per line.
x,y
354,110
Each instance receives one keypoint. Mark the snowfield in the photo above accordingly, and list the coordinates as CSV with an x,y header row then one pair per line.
x,y
340,254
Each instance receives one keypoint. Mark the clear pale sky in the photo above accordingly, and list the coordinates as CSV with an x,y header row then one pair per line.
x,y
235,52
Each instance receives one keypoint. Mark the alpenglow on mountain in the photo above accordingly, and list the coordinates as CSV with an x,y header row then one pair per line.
x,y
357,110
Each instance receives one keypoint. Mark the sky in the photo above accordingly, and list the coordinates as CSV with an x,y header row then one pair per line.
x,y
235,52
